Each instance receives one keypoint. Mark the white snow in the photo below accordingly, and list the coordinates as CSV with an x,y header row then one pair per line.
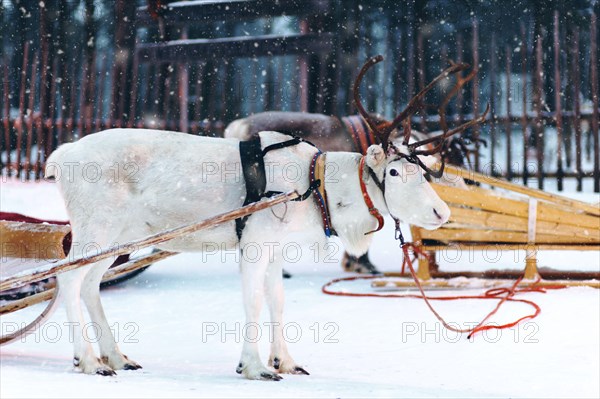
x,y
182,320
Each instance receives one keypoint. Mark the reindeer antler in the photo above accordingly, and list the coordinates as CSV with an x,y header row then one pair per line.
x,y
383,131
460,82
370,121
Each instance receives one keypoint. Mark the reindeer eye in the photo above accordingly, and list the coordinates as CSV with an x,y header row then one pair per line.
x,y
393,172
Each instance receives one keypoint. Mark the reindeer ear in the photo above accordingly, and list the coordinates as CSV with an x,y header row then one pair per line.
x,y
375,156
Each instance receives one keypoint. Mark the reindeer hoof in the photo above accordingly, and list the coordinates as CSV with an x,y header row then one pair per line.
x,y
270,377
276,363
239,368
300,370
105,371
361,265
131,366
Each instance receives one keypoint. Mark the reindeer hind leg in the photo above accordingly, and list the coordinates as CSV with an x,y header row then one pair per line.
x,y
70,288
109,349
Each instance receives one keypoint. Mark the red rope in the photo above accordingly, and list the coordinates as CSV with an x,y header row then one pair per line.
x,y
503,294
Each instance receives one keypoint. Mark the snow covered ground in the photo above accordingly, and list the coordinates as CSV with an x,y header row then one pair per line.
x,y
181,320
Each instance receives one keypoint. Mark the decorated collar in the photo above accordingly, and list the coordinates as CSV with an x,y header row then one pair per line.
x,y
317,178
367,198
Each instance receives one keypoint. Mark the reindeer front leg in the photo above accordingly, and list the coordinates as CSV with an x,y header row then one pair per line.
x,y
253,285
280,358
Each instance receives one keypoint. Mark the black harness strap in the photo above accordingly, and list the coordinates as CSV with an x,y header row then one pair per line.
x,y
253,168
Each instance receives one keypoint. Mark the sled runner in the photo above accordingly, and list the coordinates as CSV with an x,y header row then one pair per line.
x,y
498,215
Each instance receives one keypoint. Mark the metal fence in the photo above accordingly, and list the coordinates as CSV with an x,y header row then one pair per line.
x,y
542,88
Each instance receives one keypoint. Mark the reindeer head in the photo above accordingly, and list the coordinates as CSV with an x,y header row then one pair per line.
x,y
398,167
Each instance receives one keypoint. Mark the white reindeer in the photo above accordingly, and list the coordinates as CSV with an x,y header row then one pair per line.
x,y
123,184
172,186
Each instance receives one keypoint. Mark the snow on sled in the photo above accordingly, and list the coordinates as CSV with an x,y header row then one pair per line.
x,y
499,215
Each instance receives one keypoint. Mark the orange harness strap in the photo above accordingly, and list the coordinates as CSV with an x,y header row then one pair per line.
x,y
368,201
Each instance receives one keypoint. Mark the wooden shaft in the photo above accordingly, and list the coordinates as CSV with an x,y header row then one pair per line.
x,y
67,264
23,303
135,264
112,273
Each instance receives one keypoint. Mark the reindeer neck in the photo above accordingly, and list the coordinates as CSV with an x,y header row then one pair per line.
x,y
349,214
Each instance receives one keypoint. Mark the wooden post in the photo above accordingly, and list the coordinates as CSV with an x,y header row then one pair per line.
x,y
508,123
39,122
303,89
492,92
475,82
49,122
424,264
577,108
124,47
6,118
183,90
538,99
558,104
524,121
30,117
20,121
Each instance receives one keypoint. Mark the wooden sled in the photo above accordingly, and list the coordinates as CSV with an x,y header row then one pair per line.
x,y
499,215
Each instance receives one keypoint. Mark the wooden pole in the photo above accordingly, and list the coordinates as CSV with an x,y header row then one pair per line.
x,y
71,264
112,273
